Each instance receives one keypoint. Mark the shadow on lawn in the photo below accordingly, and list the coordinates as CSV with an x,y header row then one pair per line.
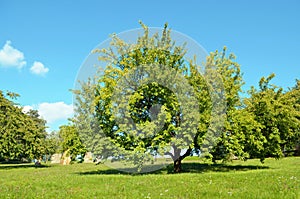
x,y
6,166
200,168
190,167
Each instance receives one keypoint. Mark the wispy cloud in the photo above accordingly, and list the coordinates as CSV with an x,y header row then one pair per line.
x,y
38,68
11,57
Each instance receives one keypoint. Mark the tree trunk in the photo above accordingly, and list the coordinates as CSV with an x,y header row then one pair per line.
x,y
177,165
177,162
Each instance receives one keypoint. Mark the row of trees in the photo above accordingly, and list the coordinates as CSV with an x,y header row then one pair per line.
x,y
122,121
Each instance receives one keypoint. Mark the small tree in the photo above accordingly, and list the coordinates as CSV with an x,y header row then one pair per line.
x,y
70,142
52,144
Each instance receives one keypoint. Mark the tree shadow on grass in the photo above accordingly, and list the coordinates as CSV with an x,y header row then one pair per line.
x,y
194,167
155,169
6,166
187,167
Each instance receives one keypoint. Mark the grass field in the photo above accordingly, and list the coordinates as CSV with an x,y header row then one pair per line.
x,y
250,179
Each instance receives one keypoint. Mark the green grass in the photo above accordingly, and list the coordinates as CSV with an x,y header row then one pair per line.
x,y
250,179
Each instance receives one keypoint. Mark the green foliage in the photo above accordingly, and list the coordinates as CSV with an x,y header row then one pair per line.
x,y
52,144
86,124
22,135
162,111
294,95
278,114
239,125
70,141
125,114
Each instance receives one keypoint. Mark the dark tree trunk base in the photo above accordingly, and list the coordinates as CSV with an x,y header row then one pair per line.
x,y
177,166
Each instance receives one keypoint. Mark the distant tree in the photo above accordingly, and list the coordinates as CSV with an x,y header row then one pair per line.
x,y
40,128
276,112
51,144
70,141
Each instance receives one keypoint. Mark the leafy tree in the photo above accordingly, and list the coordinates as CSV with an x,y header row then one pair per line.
x,y
21,135
276,112
51,144
40,129
156,114
149,114
232,139
70,141
228,141
239,125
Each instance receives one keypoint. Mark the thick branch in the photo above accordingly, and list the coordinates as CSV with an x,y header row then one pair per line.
x,y
187,153
170,154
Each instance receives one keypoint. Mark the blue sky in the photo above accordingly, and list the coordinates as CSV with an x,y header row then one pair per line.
x,y
44,43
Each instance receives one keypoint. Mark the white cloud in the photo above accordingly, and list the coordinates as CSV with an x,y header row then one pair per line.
x,y
11,57
53,112
56,114
38,68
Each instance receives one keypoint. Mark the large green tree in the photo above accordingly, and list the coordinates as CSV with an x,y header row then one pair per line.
x,y
295,93
21,134
157,113
151,120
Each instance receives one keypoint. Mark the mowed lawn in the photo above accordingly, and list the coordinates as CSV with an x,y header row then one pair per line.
x,y
250,179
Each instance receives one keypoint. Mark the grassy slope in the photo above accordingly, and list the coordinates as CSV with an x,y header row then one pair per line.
x,y
251,179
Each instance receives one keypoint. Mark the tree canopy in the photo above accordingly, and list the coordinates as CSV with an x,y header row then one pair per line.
x,y
22,135
70,142
278,114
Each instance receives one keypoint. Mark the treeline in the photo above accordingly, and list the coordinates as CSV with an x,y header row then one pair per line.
x,y
265,124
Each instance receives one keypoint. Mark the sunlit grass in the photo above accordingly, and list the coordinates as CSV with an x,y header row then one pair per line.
x,y
250,179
